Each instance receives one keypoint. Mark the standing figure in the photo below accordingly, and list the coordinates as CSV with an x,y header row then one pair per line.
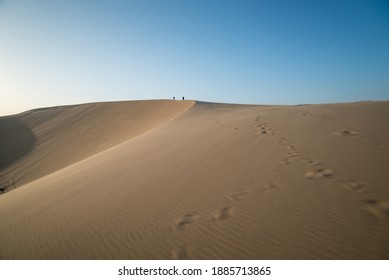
x,y
174,98
183,98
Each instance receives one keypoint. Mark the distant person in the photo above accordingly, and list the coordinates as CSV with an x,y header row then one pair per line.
x,y
174,98
183,98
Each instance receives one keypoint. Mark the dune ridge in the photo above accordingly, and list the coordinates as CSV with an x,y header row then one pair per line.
x,y
214,181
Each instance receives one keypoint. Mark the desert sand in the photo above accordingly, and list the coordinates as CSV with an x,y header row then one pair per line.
x,y
195,180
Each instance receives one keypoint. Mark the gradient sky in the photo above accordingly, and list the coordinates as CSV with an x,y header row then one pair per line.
x,y
262,52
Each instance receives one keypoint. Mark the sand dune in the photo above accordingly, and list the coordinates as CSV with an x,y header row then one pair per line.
x,y
50,139
195,180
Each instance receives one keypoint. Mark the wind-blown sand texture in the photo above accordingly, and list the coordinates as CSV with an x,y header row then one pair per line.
x,y
195,180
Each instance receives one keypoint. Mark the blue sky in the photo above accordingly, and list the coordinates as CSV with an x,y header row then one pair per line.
x,y
261,52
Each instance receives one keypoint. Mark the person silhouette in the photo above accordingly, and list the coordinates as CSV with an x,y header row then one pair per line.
x,y
183,98
174,98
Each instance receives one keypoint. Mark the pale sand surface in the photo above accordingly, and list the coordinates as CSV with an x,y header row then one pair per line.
x,y
195,180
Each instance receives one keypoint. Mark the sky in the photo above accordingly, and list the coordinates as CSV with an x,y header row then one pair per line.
x,y
251,52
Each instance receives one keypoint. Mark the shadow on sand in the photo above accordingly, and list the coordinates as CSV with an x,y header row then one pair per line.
x,y
16,140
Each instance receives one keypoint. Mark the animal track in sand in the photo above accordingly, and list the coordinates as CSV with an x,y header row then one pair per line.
x,y
184,222
377,208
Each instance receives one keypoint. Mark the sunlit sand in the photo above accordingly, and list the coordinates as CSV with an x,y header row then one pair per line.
x,y
195,180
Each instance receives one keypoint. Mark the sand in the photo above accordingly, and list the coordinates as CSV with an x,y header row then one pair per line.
x,y
195,180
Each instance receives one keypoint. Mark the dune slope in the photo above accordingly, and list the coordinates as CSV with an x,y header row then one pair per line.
x,y
217,182
38,142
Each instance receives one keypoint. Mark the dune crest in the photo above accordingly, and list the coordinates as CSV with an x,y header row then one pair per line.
x,y
211,181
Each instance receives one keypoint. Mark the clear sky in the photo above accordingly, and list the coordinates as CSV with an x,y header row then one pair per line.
x,y
262,52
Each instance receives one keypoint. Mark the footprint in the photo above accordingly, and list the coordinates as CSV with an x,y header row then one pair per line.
x,y
286,161
238,195
326,173
267,186
291,148
377,208
223,214
310,175
314,163
346,133
183,223
319,173
292,154
180,254
263,131
357,186
305,159
270,185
